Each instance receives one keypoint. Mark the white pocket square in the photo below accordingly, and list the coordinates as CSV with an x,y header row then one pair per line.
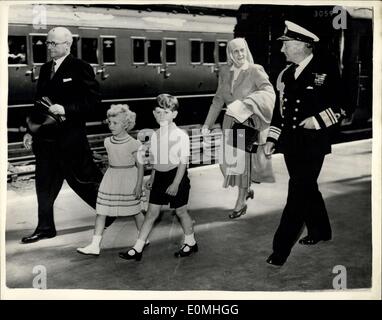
x,y
310,88
67,79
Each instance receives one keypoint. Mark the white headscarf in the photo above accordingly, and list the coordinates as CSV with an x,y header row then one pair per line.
x,y
234,43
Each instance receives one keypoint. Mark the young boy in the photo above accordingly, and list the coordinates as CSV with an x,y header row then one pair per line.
x,y
169,182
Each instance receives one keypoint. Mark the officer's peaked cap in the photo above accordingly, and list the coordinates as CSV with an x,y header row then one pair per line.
x,y
295,32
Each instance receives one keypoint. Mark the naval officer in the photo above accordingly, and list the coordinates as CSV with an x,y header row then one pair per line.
x,y
306,111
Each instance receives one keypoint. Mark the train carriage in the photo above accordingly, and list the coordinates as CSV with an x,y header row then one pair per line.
x,y
139,51
136,54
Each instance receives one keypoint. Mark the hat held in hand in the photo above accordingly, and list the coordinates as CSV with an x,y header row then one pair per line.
x,y
42,116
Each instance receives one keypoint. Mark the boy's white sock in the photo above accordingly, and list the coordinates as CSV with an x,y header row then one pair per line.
x,y
189,239
139,244
147,241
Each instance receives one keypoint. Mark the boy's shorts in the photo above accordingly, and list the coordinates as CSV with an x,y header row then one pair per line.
x,y
162,181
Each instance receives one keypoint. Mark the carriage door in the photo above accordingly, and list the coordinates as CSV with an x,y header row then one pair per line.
x,y
221,54
106,72
155,68
88,50
205,56
21,83
24,65
26,54
170,70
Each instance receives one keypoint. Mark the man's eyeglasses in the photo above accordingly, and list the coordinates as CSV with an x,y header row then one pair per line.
x,y
53,44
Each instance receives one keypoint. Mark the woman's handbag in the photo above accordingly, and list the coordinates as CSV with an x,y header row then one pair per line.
x,y
244,137
262,170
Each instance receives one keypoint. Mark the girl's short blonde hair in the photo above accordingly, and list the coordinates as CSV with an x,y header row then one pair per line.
x,y
123,109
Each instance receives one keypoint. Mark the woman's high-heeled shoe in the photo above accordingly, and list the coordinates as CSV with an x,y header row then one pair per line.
x,y
250,194
239,213
137,256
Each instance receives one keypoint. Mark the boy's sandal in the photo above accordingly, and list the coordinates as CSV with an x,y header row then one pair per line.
x,y
137,256
182,253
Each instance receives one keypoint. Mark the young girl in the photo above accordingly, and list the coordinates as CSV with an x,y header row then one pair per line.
x,y
120,191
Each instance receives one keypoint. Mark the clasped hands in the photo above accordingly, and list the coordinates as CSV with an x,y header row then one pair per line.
x,y
269,147
308,123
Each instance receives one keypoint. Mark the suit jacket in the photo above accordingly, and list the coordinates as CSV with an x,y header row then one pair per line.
x,y
312,94
253,88
75,88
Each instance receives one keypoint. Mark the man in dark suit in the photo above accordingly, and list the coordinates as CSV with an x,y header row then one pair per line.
x,y
300,128
62,150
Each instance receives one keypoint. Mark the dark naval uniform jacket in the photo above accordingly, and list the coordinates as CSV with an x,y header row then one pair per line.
x,y
312,94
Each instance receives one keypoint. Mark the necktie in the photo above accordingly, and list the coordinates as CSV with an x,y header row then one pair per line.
x,y
289,73
53,71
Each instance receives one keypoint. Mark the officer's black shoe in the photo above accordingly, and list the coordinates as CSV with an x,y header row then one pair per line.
x,y
276,260
309,240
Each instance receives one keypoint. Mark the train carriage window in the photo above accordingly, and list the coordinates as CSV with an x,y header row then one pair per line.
x,y
222,45
138,50
170,51
208,52
39,49
17,50
108,47
154,48
89,48
195,51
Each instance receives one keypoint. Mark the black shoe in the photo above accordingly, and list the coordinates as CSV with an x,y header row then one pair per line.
x,y
181,253
309,241
137,256
276,260
38,235
239,213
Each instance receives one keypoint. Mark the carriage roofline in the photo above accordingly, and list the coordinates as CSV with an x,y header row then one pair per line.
x,y
94,17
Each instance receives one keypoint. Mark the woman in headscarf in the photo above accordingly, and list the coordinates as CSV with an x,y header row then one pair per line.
x,y
249,96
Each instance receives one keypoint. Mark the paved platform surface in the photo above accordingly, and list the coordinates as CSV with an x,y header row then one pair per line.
x,y
232,253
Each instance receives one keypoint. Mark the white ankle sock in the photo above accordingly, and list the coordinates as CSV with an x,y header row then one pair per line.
x,y
96,240
92,248
189,239
139,244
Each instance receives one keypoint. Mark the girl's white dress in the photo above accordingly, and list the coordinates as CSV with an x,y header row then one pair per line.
x,y
116,192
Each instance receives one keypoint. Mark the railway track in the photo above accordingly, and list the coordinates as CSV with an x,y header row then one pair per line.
x,y
204,150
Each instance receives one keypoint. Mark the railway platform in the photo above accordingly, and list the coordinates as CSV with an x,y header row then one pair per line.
x,y
232,253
